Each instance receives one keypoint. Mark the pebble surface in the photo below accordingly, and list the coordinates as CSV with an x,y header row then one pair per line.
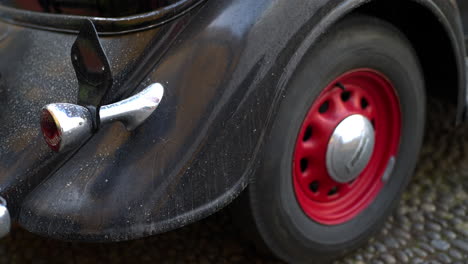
x,y
430,224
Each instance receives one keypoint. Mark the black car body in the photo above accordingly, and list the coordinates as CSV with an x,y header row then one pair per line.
x,y
225,66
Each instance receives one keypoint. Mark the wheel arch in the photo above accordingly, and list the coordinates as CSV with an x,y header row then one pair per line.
x,y
444,72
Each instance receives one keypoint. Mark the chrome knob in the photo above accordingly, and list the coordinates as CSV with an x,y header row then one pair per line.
x,y
350,148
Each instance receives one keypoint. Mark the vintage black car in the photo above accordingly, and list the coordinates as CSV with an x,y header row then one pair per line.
x,y
157,113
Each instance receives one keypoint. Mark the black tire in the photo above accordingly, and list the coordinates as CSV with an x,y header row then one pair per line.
x,y
355,42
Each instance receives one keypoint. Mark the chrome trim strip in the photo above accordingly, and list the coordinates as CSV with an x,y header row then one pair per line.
x,y
104,25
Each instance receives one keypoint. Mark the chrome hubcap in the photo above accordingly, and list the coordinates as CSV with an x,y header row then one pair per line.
x,y
350,148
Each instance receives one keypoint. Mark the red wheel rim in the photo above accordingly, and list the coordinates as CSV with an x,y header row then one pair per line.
x,y
368,93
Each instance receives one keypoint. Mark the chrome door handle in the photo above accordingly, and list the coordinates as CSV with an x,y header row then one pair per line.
x,y
65,126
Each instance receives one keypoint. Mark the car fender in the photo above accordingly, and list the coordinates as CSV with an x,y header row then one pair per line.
x,y
224,77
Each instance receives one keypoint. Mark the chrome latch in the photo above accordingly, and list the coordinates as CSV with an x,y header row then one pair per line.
x,y
66,126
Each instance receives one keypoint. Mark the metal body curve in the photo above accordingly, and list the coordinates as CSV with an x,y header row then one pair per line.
x,y
194,155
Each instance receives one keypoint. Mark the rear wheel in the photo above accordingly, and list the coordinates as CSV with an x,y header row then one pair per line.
x,y
343,145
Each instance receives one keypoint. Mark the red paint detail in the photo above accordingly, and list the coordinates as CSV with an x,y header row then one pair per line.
x,y
50,130
312,184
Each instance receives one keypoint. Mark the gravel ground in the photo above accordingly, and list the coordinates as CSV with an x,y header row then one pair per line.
x,y
429,226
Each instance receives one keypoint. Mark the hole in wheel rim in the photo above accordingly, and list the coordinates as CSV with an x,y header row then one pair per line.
x,y
307,134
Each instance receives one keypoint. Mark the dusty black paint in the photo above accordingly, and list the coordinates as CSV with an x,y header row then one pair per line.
x,y
225,68
36,69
